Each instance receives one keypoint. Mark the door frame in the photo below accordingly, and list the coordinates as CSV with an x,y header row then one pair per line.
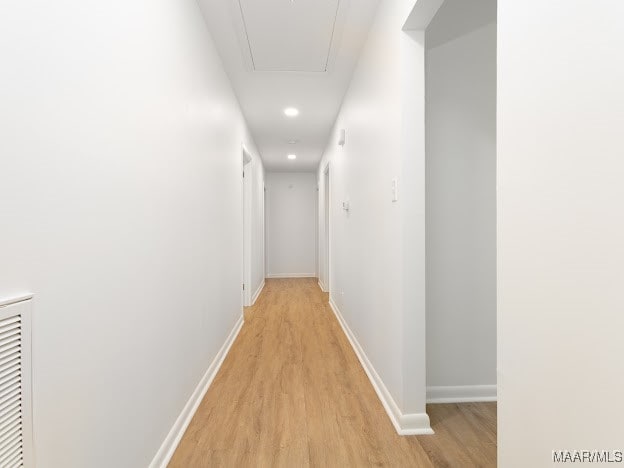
x,y
246,195
326,234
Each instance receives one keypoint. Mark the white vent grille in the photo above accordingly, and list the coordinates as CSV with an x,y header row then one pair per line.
x,y
15,383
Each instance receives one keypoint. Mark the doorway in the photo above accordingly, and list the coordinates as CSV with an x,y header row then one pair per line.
x,y
324,272
460,162
246,213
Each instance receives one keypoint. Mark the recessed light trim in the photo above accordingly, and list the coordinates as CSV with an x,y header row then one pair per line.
x,y
291,111
292,156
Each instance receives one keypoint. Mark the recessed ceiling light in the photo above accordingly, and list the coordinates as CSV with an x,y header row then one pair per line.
x,y
292,156
293,142
291,112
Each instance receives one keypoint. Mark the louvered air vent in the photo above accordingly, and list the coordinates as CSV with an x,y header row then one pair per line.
x,y
15,383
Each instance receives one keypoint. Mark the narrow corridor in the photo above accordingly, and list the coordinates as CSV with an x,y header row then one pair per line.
x,y
291,393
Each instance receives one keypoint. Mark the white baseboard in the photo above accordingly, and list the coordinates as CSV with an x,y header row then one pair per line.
x,y
257,293
405,424
291,275
461,394
169,445
322,286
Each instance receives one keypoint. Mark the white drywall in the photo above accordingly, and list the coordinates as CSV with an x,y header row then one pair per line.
x,y
461,194
291,224
377,265
560,228
120,207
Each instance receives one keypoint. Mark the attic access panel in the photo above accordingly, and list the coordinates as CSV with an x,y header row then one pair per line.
x,y
289,35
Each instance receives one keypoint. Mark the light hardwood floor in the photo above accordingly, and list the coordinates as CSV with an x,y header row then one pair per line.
x,y
292,393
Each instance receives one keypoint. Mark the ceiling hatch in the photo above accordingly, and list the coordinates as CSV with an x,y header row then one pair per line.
x,y
289,35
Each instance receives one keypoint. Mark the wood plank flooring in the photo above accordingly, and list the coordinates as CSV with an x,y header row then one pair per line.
x,y
292,393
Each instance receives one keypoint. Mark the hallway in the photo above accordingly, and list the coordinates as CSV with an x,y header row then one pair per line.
x,y
291,392
176,176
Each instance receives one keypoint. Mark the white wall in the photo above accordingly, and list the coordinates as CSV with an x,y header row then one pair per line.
x,y
461,195
120,204
291,224
377,248
560,228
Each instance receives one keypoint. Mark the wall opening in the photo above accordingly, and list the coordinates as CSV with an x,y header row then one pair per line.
x,y
460,77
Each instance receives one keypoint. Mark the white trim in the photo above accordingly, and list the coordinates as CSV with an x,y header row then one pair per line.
x,y
15,299
461,394
405,424
291,275
322,286
169,445
257,293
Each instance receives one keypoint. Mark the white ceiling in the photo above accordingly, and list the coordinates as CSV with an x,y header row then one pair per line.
x,y
289,53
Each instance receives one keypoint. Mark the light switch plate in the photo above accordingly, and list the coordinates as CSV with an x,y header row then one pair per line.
x,y
395,189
